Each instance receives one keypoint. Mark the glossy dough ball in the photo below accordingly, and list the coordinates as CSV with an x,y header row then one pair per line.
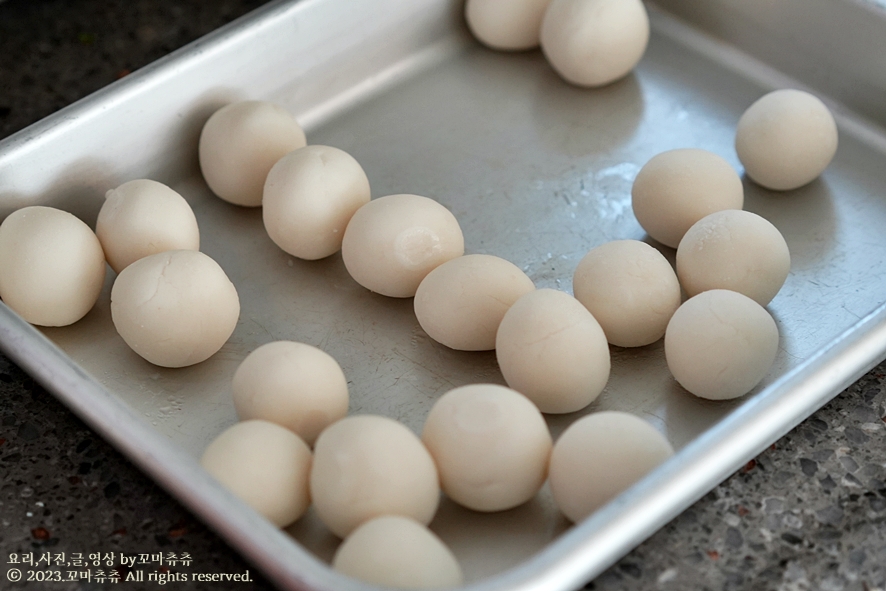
x,y
491,446
552,350
461,302
174,308
367,466
292,384
630,288
52,267
265,465
600,456
735,250
510,25
144,217
240,143
397,552
720,344
309,198
594,42
393,242
786,139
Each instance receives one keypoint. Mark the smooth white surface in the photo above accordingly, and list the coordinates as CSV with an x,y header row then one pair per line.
x,y
510,25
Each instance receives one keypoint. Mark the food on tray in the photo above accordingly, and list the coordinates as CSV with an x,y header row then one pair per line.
x,y
630,288
677,188
397,552
510,25
52,267
720,344
735,250
786,139
174,308
366,466
240,143
599,456
264,464
292,384
491,446
144,217
594,42
552,350
309,198
461,302
393,242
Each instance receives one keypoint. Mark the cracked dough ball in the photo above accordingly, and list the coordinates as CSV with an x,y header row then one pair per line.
x,y
397,552
174,308
393,242
720,344
553,351
265,465
144,217
735,250
240,143
292,384
510,25
52,267
630,288
491,446
461,303
786,139
677,188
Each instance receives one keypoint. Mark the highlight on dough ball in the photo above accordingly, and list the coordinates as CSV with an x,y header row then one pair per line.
x,y
786,139
599,456
240,143
397,552
264,464
52,267
144,217
630,288
461,303
594,42
393,242
735,250
366,466
310,196
292,384
174,308
552,350
720,344
677,188
509,25
491,446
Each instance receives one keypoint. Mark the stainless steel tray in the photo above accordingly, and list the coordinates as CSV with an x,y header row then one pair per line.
x,y
536,171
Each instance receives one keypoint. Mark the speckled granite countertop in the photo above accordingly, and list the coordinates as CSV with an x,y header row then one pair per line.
x,y
809,513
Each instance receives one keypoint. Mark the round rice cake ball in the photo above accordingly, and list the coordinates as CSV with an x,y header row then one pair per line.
x,y
509,25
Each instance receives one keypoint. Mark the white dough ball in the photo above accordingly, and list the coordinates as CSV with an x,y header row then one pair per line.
x,y
491,446
240,143
265,465
309,198
735,250
52,267
144,217
601,455
553,351
630,288
397,552
786,139
174,308
720,344
594,42
366,466
461,303
510,25
677,188
393,242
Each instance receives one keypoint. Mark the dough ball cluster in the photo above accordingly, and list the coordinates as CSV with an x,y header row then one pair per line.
x,y
513,25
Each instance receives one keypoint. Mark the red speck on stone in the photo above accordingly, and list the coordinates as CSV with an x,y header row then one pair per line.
x,y
742,511
713,554
123,73
2,441
163,569
74,479
749,466
40,533
772,447
119,532
177,532
881,418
